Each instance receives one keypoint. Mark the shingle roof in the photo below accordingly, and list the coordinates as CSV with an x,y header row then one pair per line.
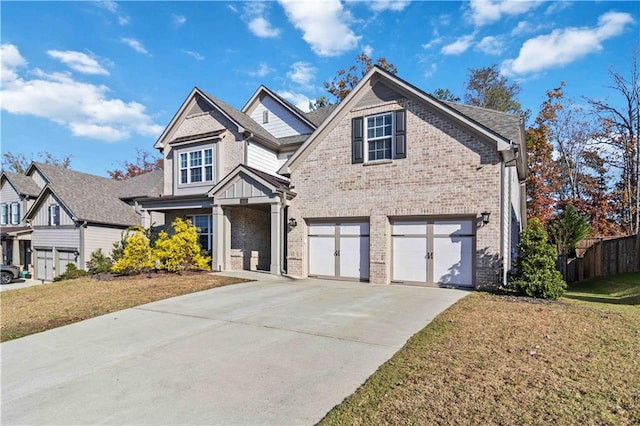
x,y
241,118
23,184
146,185
293,140
506,125
280,183
318,116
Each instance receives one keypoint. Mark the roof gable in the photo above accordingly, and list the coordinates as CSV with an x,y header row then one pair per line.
x,y
247,182
22,184
392,87
293,110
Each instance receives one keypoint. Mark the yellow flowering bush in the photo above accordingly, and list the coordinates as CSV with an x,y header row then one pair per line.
x,y
180,251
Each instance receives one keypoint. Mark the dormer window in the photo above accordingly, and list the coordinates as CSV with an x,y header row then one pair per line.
x,y
54,215
196,166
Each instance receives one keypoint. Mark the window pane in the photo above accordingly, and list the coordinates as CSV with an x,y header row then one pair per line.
x,y
208,156
208,172
196,158
183,176
196,175
380,149
371,122
371,133
183,160
203,240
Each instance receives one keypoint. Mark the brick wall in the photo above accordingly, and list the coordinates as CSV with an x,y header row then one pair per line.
x,y
448,171
250,239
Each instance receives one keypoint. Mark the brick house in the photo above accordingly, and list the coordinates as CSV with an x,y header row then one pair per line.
x,y
391,185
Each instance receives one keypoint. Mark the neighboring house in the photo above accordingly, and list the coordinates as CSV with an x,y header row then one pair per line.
x,y
68,215
391,185
17,194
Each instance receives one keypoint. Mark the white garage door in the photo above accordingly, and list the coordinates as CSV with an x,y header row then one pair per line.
x,y
45,265
433,252
339,250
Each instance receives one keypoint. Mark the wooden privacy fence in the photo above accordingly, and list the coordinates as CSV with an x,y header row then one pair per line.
x,y
598,257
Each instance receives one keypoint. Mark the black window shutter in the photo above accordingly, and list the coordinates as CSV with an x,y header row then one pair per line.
x,y
50,221
400,136
357,140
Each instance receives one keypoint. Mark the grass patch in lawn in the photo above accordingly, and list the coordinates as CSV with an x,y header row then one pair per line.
x,y
493,359
619,292
34,309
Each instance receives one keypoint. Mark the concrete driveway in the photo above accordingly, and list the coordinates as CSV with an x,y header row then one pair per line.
x,y
266,352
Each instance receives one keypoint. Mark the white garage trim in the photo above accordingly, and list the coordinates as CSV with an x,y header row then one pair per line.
x,y
433,251
339,250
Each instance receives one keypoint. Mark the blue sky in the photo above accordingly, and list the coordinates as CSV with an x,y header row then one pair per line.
x,y
99,79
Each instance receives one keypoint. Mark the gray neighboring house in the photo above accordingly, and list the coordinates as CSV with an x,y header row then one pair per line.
x,y
76,213
391,185
17,194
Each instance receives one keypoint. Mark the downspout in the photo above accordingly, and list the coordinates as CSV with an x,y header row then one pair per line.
x,y
283,242
503,223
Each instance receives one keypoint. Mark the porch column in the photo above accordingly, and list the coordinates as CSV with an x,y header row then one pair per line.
x,y
217,243
276,237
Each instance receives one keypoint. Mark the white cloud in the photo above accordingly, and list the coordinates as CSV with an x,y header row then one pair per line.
x,y
562,47
298,99
232,8
483,12
10,61
491,45
111,6
557,6
262,28
84,108
254,15
367,50
179,20
263,70
302,73
195,55
135,45
459,46
432,43
431,70
78,61
393,5
324,25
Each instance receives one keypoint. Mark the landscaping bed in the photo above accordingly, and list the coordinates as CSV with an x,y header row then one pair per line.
x,y
493,359
34,309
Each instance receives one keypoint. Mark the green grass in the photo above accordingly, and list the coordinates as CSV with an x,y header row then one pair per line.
x,y
492,359
619,292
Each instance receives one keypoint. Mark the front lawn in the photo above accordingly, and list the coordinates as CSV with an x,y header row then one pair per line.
x,y
493,359
34,309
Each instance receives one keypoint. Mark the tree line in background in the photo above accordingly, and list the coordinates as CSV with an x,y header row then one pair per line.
x,y
583,153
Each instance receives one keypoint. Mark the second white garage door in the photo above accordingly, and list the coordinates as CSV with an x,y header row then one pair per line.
x,y
339,250
433,251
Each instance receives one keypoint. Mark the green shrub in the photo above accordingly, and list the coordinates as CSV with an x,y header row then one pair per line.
x,y
567,229
99,263
136,256
71,272
180,251
535,268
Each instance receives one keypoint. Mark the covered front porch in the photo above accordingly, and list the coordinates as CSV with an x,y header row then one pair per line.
x,y
250,221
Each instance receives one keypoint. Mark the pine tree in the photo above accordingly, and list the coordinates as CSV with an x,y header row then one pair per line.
x,y
536,274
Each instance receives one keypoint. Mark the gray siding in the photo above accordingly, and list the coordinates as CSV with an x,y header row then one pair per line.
x,y
56,237
8,193
263,158
96,237
379,93
245,188
41,217
282,122
38,178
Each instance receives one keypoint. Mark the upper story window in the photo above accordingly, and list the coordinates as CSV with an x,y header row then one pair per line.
x,y
15,213
4,214
54,215
379,137
196,166
379,134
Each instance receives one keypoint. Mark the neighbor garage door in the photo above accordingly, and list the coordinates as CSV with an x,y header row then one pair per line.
x,y
339,250
433,251
45,265
65,257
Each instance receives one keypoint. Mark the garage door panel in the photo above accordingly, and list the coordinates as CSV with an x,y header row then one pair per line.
x,y
452,227
409,259
409,228
45,265
354,229
452,260
322,229
322,256
354,257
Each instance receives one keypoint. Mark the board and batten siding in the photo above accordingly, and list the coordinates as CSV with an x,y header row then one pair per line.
x,y
38,178
281,121
8,194
263,158
42,215
100,237
56,237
